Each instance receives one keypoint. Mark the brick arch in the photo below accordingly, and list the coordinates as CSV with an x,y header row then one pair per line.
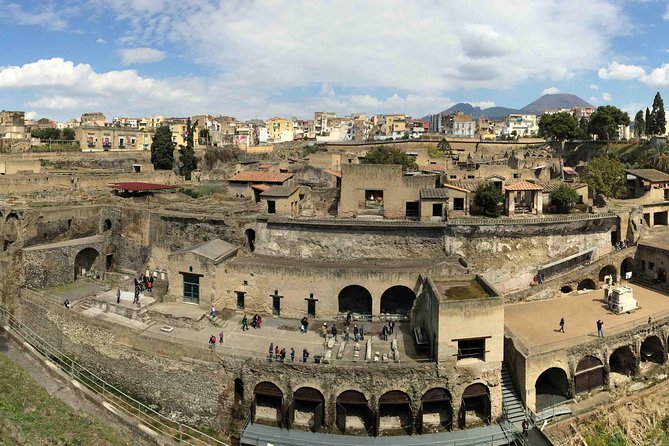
x,y
587,283
551,387
652,350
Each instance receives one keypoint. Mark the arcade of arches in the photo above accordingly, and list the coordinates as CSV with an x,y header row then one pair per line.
x,y
395,301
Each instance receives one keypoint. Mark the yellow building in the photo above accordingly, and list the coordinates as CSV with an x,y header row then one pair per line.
x,y
394,125
280,129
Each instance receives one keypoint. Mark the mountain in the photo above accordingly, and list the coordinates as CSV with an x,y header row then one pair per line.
x,y
546,102
552,102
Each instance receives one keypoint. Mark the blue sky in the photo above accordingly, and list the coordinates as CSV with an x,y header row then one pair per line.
x,y
257,59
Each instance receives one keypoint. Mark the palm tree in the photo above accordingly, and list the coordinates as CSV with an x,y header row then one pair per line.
x,y
659,158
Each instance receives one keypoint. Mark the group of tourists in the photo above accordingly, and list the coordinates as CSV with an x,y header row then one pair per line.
x,y
141,284
623,244
279,355
387,329
599,323
538,279
212,341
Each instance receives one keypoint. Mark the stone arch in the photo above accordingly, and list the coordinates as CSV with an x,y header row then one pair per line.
x,y
11,231
623,361
250,238
436,411
397,300
652,350
106,225
353,414
626,266
307,410
589,375
608,270
566,289
356,299
267,404
85,261
551,387
475,406
586,284
394,413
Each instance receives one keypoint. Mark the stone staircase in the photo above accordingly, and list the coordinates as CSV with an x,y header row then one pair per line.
x,y
515,411
85,304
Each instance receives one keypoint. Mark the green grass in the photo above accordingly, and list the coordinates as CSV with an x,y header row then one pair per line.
x,y
471,290
204,190
30,416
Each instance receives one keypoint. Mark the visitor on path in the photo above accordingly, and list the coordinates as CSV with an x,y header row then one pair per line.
x,y
561,325
282,355
271,351
259,322
347,333
334,332
526,425
600,331
136,299
254,321
292,354
118,296
384,333
535,279
304,325
149,285
362,333
245,323
220,338
305,355
212,313
67,303
356,333
212,343
391,327
349,318
540,277
324,330
276,352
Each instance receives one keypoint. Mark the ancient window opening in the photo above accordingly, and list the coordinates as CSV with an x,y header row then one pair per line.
x,y
437,209
458,204
250,239
412,209
373,199
191,288
472,348
107,224
271,207
240,299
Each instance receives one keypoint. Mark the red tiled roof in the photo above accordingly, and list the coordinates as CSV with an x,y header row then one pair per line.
x,y
264,166
250,176
522,185
260,187
462,189
333,172
139,186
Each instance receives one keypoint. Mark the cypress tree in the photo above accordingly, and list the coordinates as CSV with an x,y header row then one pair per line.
x,y
162,149
659,118
649,122
639,124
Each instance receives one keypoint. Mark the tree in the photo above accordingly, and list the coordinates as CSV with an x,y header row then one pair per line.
x,y
564,198
649,122
443,149
658,158
639,124
162,149
605,176
69,134
488,197
560,127
605,120
583,124
659,119
390,155
187,156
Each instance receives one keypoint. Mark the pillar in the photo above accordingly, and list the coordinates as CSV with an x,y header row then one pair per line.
x,y
376,306
538,202
510,203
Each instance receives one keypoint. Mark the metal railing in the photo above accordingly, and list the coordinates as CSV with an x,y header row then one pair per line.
x,y
111,394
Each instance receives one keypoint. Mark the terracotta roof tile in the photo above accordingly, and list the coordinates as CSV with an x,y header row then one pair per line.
x,y
522,185
333,172
251,176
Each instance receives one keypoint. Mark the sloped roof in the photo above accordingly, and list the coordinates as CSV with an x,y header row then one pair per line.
x,y
280,191
465,185
216,249
261,187
522,185
432,193
433,167
569,170
140,186
333,172
652,175
550,186
254,176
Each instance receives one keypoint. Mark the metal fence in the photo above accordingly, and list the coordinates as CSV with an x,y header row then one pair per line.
x,y
111,394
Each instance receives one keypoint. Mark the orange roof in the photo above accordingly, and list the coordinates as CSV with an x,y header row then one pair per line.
x,y
462,189
264,166
251,176
522,185
333,172
261,187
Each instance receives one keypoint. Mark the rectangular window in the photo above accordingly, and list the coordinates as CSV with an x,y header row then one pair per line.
x,y
458,204
240,299
271,207
276,305
471,348
412,209
191,288
437,209
311,307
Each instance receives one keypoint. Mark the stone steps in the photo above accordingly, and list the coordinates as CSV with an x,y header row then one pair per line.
x,y
515,411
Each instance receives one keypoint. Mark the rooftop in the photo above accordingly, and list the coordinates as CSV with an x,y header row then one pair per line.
x,y
333,172
280,191
139,186
213,250
651,175
551,185
432,193
658,240
261,177
522,185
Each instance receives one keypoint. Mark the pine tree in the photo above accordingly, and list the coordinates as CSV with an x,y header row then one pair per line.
x,y
639,124
162,149
659,118
649,122
187,153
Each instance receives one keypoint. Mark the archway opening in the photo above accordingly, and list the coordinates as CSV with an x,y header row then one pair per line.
x,y
475,406
250,235
589,375
84,262
239,391
267,404
608,270
353,415
436,411
626,268
395,416
586,284
110,257
566,289
622,361
397,301
357,300
107,225
307,409
652,350
11,231
551,387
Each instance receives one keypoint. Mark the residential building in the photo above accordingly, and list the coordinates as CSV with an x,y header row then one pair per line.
x,y
322,123
522,125
391,126
280,130
93,119
462,125
94,138
179,129
12,125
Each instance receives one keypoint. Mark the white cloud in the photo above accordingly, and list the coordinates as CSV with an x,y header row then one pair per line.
x,y
594,87
131,56
659,77
101,41
483,104
607,97
593,99
31,115
621,72
665,16
550,90
44,16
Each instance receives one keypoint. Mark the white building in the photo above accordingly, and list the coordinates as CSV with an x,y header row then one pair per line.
x,y
522,125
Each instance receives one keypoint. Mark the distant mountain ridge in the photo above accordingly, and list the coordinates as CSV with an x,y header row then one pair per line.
x,y
537,107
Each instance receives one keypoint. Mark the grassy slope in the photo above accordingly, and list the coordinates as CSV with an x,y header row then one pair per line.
x,y
36,418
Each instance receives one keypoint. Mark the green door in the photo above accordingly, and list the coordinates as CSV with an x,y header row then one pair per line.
x,y
191,288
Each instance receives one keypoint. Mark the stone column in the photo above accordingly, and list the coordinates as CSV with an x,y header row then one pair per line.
x,y
539,202
510,203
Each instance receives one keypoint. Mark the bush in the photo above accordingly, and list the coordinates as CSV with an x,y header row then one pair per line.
x,y
564,198
488,197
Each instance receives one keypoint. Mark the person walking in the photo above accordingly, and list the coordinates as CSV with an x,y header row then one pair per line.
x,y
356,333
561,325
118,295
245,323
305,355
220,338
276,353
600,331
391,327
384,333
212,343
271,351
526,425
334,332
292,354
